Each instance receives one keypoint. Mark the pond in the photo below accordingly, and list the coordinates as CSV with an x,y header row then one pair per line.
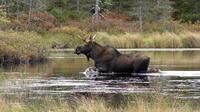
x,y
61,76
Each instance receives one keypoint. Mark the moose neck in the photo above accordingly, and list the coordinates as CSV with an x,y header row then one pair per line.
x,y
97,50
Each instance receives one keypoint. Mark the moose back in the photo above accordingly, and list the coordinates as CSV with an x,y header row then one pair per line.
x,y
107,59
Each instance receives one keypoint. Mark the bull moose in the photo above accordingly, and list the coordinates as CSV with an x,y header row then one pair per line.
x,y
107,59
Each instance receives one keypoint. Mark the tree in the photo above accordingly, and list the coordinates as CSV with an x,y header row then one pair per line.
x,y
145,10
186,10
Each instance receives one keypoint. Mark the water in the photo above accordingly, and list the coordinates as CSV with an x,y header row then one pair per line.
x,y
61,76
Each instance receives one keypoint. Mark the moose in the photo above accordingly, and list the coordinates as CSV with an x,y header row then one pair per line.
x,y
107,59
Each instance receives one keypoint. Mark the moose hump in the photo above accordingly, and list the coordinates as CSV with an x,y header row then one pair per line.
x,y
108,59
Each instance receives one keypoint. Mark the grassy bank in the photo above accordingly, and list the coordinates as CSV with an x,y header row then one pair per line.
x,y
150,103
31,47
21,47
151,40
184,39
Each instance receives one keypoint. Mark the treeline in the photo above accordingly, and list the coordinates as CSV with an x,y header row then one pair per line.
x,y
186,10
150,10
183,10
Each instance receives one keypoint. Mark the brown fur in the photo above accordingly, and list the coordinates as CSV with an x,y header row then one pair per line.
x,y
108,59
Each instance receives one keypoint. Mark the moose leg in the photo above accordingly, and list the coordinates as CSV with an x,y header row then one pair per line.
x,y
143,68
101,68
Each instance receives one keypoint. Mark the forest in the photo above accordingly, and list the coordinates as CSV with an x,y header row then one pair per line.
x,y
62,12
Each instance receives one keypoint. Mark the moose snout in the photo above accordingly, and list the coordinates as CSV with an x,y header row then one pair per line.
x,y
78,50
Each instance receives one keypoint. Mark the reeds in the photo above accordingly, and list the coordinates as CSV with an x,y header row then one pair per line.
x,y
155,39
151,40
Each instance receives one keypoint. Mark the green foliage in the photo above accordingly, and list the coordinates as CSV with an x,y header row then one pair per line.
x,y
77,15
59,14
187,10
148,10
63,15
3,19
107,1
152,10
190,17
61,3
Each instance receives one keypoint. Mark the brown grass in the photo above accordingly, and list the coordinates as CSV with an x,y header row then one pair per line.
x,y
21,47
151,40
148,103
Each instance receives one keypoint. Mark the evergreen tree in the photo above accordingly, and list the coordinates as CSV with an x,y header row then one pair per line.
x,y
186,10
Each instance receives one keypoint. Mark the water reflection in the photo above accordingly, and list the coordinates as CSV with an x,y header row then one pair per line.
x,y
60,76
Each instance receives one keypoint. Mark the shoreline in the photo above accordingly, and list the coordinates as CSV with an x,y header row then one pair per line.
x,y
135,49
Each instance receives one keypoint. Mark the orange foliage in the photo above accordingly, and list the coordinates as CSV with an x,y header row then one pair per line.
x,y
41,20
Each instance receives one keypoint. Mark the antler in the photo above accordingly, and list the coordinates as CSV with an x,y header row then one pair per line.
x,y
88,39
93,38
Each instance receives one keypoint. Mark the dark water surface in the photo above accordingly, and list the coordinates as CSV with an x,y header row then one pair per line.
x,y
61,77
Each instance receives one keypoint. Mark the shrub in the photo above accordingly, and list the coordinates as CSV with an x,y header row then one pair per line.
x,y
59,14
21,47
3,19
190,17
77,15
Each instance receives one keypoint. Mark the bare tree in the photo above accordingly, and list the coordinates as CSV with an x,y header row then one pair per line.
x,y
78,5
29,15
95,16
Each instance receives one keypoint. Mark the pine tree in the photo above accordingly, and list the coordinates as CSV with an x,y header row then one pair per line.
x,y
186,10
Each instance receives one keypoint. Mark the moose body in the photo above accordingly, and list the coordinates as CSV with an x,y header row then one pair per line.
x,y
108,59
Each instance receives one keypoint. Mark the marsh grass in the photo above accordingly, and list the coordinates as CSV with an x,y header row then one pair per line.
x,y
146,103
151,40
72,37
21,47
62,39
69,36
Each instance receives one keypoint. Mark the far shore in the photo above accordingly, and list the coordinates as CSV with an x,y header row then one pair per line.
x,y
136,49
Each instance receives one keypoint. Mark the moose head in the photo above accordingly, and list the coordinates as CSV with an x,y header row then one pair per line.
x,y
87,47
